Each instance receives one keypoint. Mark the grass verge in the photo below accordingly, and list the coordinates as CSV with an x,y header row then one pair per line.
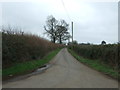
x,y
22,68
97,65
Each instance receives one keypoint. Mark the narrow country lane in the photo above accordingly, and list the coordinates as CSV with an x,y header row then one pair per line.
x,y
66,72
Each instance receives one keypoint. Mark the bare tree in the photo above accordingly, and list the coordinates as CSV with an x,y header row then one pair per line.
x,y
12,30
57,30
62,31
51,28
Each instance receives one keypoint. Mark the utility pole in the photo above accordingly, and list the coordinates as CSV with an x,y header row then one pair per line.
x,y
72,31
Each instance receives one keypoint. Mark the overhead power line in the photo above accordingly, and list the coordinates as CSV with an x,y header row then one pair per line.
x,y
66,10
68,17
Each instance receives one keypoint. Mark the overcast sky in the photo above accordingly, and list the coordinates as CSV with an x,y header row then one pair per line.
x,y
93,21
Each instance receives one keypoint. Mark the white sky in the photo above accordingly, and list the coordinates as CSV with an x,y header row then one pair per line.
x,y
93,21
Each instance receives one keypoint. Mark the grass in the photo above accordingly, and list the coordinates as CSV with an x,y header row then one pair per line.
x,y
22,68
97,65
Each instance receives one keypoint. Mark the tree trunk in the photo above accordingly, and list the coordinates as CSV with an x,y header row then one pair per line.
x,y
54,39
60,41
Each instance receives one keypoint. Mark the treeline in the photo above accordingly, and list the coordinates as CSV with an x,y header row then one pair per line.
x,y
108,54
17,48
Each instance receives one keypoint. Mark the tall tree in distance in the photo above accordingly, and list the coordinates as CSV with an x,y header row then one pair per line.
x,y
50,28
103,43
62,31
57,30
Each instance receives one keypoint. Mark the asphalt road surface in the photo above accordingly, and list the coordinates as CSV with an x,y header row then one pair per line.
x,y
65,72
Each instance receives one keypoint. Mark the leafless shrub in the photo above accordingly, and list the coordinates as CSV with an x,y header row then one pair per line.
x,y
19,48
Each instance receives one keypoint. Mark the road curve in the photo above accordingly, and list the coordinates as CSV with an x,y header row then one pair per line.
x,y
66,72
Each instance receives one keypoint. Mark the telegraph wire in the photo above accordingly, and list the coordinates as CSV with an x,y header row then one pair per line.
x,y
66,10
68,17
